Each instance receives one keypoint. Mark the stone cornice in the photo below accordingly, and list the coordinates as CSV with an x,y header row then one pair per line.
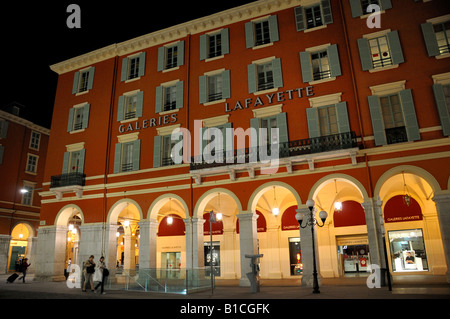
x,y
16,119
211,22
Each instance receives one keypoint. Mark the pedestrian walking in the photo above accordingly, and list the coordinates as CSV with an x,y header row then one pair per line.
x,y
88,272
100,275
23,268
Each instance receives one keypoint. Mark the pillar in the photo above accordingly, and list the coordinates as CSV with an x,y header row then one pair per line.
x,y
228,251
375,231
31,253
5,242
91,242
50,253
273,251
148,231
248,239
110,246
442,202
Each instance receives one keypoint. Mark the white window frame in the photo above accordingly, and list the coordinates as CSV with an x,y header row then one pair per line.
x,y
34,145
31,168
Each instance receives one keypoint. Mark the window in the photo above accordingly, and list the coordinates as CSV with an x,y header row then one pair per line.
x,y
314,16
442,32
130,105
167,145
83,80
163,146
27,195
75,162
169,96
436,33
133,67
35,140
214,44
275,121
78,117
407,250
271,137
127,155
393,115
380,50
261,32
3,128
359,7
171,56
214,86
320,63
328,120
32,163
264,75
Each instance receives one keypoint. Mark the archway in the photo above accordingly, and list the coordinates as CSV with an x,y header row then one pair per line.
x,y
19,245
413,237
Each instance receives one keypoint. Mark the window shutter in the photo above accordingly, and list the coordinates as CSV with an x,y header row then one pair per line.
x,y
82,158
333,57
4,129
225,41
364,54
249,38
305,62
86,110
313,122
124,74
254,123
283,134
439,96
157,151
180,57
65,168
409,113
120,109
226,84
355,5
91,78
377,120
203,47
139,103
159,99
342,117
327,13
251,73
180,94
142,64
136,154
395,47
273,29
117,157
385,4
228,141
2,151
76,78
299,21
277,73
70,123
202,86
430,39
161,58
202,142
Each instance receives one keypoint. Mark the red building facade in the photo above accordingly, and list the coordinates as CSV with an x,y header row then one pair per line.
x,y
361,117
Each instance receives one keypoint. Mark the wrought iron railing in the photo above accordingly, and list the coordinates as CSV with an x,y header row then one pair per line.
x,y
70,179
287,149
396,135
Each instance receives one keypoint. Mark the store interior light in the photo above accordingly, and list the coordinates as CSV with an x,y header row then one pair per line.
x,y
219,216
337,206
275,209
20,235
126,223
117,234
169,220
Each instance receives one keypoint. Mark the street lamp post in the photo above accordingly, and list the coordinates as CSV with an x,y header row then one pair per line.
x,y
311,221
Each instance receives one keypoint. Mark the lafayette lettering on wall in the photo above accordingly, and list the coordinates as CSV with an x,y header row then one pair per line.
x,y
270,98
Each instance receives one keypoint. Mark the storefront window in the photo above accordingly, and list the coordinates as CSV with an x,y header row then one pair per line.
x,y
295,256
215,260
354,258
408,250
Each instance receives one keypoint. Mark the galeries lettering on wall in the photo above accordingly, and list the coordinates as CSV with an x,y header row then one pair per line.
x,y
251,102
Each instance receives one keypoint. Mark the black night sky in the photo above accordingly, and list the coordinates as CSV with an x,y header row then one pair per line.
x,y
35,35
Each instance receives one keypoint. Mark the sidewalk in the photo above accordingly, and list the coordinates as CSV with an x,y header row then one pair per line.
x,y
336,288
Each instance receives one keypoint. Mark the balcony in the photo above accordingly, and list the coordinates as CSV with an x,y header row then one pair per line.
x,y
298,151
65,183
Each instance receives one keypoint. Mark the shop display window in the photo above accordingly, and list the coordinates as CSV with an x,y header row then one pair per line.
x,y
354,258
408,250
295,256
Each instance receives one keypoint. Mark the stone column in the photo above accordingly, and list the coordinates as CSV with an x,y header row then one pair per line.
x,y
91,239
273,251
375,231
50,253
5,242
228,250
148,230
110,246
442,202
248,239
31,253
194,243
306,244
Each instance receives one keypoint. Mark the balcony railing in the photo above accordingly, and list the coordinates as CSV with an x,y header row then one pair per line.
x,y
70,179
288,149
